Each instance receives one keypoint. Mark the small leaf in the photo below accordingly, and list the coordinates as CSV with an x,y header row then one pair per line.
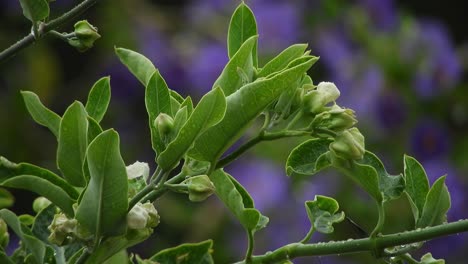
x,y
6,198
428,259
281,61
73,141
41,114
188,253
98,99
140,66
302,160
417,185
177,96
242,27
104,205
436,206
322,213
179,120
189,104
35,10
209,111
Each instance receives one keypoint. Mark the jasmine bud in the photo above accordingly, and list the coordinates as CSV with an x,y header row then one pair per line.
x,y
336,119
165,124
142,216
317,99
61,229
40,203
349,145
85,36
199,188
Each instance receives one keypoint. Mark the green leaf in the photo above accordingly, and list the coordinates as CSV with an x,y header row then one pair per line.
x,y
196,253
35,10
322,213
41,114
104,205
5,259
242,27
34,245
188,103
209,111
417,185
436,206
238,201
157,100
179,120
230,80
139,65
243,107
428,259
94,129
177,96
6,198
302,160
43,220
72,144
98,99
281,61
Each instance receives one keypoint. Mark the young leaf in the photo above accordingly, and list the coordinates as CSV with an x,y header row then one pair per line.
x,y
428,259
98,99
177,96
94,129
280,62
6,198
242,27
209,111
417,185
243,106
188,103
302,160
188,253
436,206
140,66
179,120
35,10
104,205
41,114
322,213
73,140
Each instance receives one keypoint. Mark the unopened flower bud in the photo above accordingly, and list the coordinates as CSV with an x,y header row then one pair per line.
x,y
337,119
317,99
85,36
199,188
138,169
61,229
349,145
4,235
164,124
142,216
40,203
153,216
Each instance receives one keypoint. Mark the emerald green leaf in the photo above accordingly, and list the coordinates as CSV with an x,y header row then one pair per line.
x,y
94,129
436,206
417,185
199,253
302,160
242,27
209,111
322,213
140,66
104,205
157,101
238,201
281,61
243,107
230,80
72,144
34,245
41,114
6,198
98,99
35,10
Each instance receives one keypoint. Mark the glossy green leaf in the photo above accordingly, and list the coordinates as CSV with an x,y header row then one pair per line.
x,y
242,27
6,198
140,66
41,114
35,10
98,99
417,185
209,111
196,253
436,206
243,107
104,205
302,160
230,80
73,140
34,245
94,129
322,213
157,100
281,61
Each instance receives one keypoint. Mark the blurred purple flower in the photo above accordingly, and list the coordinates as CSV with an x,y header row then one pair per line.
x,y
390,110
123,83
429,140
335,51
381,12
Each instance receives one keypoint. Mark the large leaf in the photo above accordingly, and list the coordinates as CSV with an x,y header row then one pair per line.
x,y
139,65
243,106
104,205
436,206
5,259
242,27
303,160
189,253
41,114
35,10
34,245
417,185
73,140
280,62
209,111
94,129
322,213
98,99
239,70
157,100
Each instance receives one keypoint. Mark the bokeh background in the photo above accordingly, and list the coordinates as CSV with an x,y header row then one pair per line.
x,y
401,65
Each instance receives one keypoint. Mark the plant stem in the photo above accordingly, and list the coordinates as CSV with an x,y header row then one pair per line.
x,y
380,221
45,28
308,235
82,259
376,244
156,193
250,246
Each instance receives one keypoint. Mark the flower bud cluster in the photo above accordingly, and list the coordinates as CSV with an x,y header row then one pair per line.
x,y
64,230
142,216
199,188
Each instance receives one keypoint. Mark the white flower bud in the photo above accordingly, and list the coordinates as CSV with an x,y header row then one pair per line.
x,y
138,169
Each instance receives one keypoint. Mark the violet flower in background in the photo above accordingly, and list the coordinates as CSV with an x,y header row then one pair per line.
x,y
381,12
391,111
429,140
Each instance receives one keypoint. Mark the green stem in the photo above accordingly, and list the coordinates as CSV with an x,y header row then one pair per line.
x,y
250,246
82,259
380,221
376,244
295,119
156,193
45,28
308,236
